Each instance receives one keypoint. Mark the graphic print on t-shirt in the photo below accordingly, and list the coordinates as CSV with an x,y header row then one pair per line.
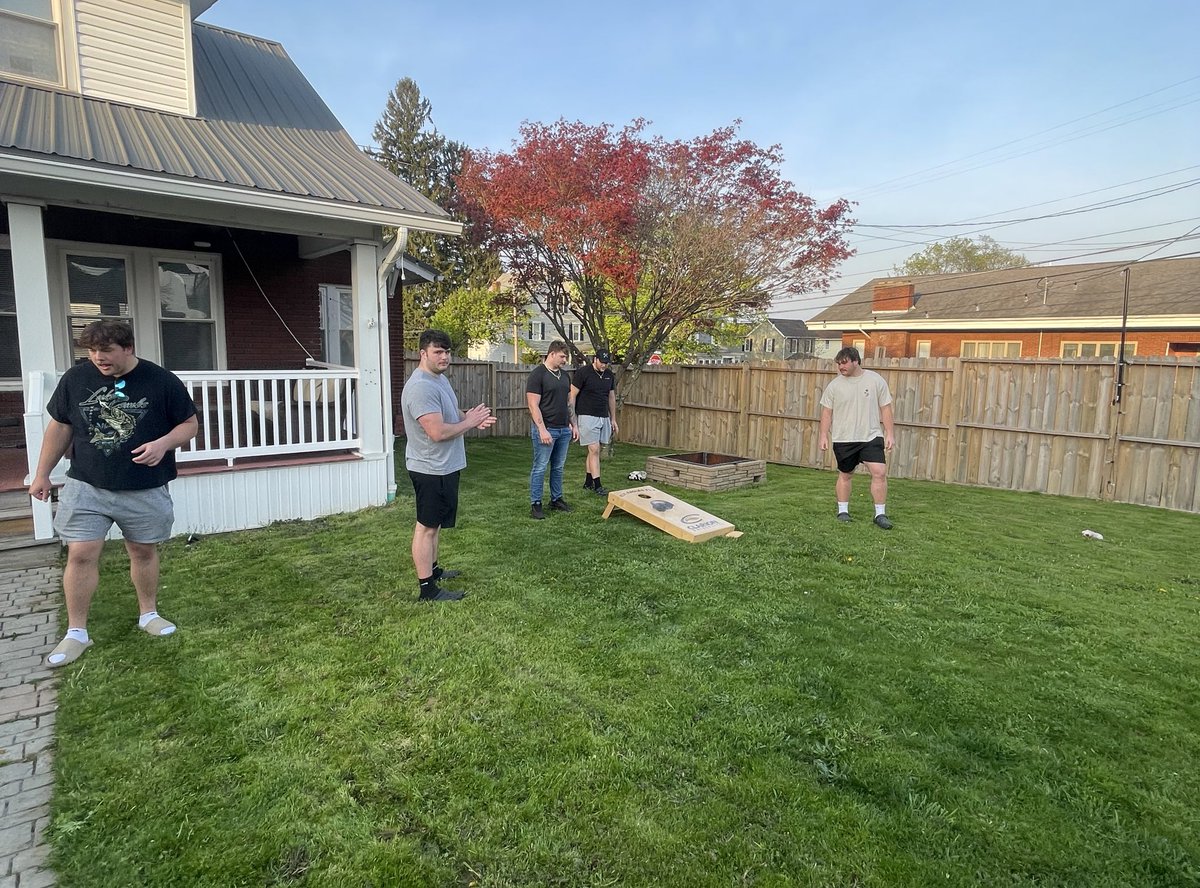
x,y
111,418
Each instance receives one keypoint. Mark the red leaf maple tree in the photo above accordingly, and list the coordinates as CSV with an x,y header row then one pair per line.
x,y
661,233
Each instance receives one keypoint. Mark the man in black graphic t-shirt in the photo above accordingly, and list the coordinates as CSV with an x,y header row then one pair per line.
x,y
120,418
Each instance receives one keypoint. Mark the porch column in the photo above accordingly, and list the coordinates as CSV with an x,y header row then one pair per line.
x,y
35,333
364,285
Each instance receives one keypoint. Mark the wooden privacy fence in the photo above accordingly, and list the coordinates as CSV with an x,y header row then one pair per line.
x,y
1019,424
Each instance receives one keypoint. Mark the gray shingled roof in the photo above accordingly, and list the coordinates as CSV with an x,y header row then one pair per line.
x,y
260,125
1157,287
790,327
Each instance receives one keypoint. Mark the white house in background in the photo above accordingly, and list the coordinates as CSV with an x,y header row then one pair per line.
x,y
189,180
531,330
779,339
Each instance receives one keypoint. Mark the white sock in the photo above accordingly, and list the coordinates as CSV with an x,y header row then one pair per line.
x,y
879,509
843,507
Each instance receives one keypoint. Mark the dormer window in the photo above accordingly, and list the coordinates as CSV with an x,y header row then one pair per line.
x,y
29,40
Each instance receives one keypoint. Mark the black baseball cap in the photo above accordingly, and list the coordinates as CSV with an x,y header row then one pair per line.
x,y
603,357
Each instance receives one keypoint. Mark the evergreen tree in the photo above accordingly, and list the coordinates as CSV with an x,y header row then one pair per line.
x,y
411,147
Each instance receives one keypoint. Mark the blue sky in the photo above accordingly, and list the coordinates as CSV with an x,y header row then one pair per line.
x,y
922,112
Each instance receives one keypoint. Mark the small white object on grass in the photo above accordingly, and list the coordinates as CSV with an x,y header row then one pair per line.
x,y
1092,535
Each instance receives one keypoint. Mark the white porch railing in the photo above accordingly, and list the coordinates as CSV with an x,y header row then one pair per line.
x,y
248,413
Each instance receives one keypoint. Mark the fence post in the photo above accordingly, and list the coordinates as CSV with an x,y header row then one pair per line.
x,y
492,394
743,436
954,411
1108,490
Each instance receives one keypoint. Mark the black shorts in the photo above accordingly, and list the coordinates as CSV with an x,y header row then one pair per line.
x,y
850,454
437,498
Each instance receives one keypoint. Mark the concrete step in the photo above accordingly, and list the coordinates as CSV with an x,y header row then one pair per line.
x,y
18,554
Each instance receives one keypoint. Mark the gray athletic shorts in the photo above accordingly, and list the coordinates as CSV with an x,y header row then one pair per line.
x,y
86,513
594,430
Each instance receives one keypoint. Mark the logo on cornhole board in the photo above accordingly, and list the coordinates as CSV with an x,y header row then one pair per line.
x,y
680,519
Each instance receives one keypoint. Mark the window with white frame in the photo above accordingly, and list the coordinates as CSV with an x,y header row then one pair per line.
x,y
10,347
1096,349
537,331
989,349
924,346
30,41
186,322
98,287
748,345
337,324
769,344
171,300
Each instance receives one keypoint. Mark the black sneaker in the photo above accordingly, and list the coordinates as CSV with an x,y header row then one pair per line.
x,y
560,505
443,574
844,517
882,522
535,511
439,594
600,491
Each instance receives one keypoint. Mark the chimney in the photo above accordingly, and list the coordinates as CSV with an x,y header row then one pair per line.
x,y
891,296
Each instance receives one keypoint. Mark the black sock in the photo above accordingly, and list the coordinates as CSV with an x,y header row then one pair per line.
x,y
437,572
429,585
597,485
588,482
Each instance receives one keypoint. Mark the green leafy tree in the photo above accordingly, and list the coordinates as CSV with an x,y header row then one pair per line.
x,y
411,147
473,316
959,254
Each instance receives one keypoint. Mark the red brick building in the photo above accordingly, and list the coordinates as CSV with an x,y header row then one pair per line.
x,y
1067,311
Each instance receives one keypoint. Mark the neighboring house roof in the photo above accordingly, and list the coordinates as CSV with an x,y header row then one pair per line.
x,y
790,327
260,125
1161,292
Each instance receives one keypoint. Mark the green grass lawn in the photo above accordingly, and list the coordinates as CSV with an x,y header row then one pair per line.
x,y
978,697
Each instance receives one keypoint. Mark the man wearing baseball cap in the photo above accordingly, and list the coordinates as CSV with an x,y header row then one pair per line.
x,y
594,400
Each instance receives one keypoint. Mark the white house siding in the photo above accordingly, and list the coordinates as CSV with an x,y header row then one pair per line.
x,y
239,500
137,52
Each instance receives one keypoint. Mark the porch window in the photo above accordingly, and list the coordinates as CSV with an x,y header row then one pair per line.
x,y
29,40
10,353
97,288
337,324
186,315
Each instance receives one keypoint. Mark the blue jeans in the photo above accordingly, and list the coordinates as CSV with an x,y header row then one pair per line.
x,y
553,454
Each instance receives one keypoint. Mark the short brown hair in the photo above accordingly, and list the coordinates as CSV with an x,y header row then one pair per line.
x,y
102,334
849,353
556,347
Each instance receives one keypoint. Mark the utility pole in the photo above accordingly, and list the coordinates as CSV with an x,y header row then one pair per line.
x,y
1121,348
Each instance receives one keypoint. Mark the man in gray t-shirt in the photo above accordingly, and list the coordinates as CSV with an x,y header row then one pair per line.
x,y
434,455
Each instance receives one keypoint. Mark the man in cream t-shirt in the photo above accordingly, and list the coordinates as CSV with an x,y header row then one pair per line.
x,y
856,412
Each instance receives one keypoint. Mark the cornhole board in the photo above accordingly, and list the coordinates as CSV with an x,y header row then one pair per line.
x,y
680,519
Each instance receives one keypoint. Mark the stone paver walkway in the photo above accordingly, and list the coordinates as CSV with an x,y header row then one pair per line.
x,y
30,580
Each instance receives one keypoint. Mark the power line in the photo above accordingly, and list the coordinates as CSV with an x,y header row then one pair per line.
x,y
1136,197
1045,273
880,185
